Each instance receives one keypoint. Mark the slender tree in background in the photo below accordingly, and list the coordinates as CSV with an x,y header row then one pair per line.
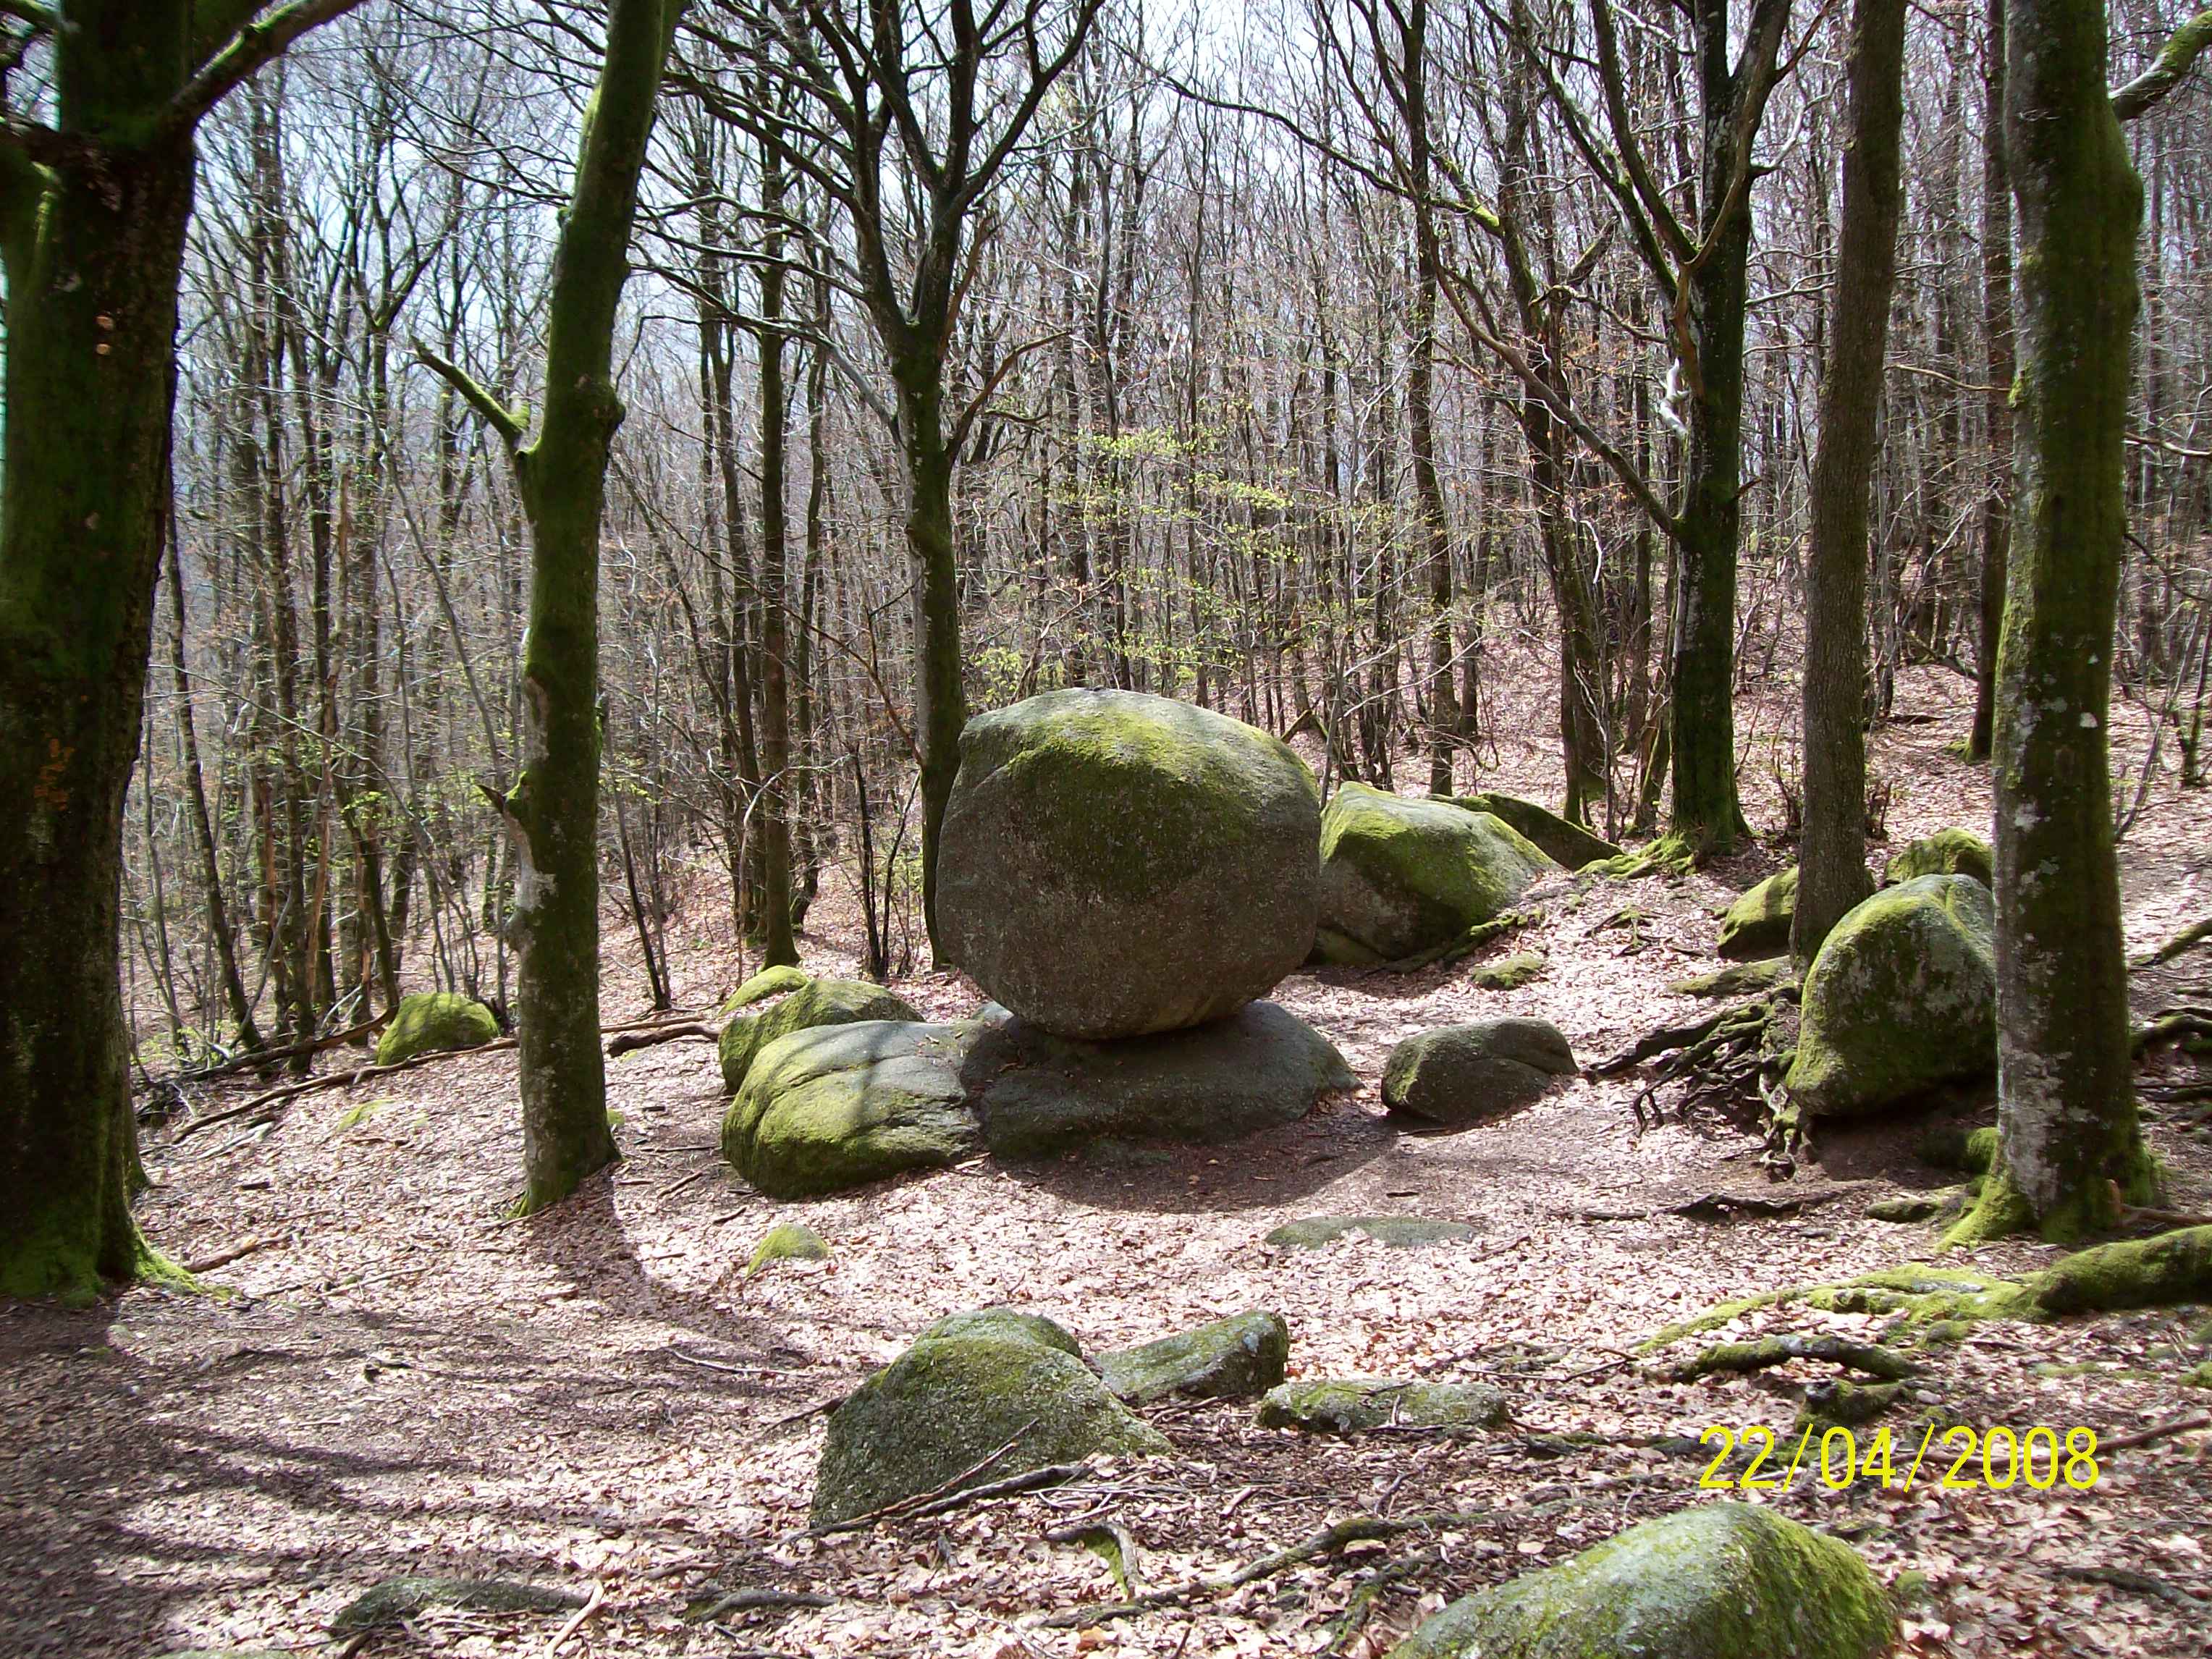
x,y
777,947
552,810
1832,853
1998,373
2070,1146
93,211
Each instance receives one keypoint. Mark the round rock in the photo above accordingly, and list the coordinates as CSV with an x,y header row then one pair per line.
x,y
1459,1074
1114,864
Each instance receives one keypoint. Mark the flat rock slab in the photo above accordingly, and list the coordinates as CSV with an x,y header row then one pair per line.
x,y
1355,1404
1401,1232
1239,1358
399,1598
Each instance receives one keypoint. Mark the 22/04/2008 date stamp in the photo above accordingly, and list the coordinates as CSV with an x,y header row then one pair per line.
x,y
1964,1458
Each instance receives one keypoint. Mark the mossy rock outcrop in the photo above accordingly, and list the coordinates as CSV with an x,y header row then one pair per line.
x,y
837,1106
399,1598
1400,876
769,982
956,1410
2171,1268
1946,853
433,1023
1459,1074
1757,924
788,1241
1723,1580
1114,864
1901,997
1040,1094
811,1003
1399,1232
1004,1324
1564,841
1239,1358
1354,1405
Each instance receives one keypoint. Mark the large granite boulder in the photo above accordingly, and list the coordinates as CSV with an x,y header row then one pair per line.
x,y
1041,1094
1399,875
1946,853
1757,924
801,1008
1459,1074
968,1405
1721,1581
831,1107
1562,840
1234,1359
435,1021
1114,864
1901,997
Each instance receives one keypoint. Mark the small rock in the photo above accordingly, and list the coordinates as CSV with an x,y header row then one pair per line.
x,y
1232,1359
1507,972
1920,1206
435,1021
399,1598
788,1241
1459,1074
1757,924
1401,1232
1351,1405
1721,1581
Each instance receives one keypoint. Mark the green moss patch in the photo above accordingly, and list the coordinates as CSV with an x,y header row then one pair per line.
x,y
399,1598
1946,853
1400,876
1563,841
769,982
1234,1359
1757,924
788,1241
815,1002
435,1021
1737,979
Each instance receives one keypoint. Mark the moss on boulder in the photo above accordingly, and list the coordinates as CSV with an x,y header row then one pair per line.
x,y
435,1021
1723,1580
1233,1359
2136,1272
1460,1074
769,982
1041,1094
1352,1405
1004,1324
1901,997
1507,972
1757,924
1563,841
1946,853
399,1598
788,1241
1401,1232
1400,876
1115,864
837,1106
956,1410
811,1003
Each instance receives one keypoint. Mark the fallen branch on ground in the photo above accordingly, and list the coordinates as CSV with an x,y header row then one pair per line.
x,y
631,1041
2197,933
262,1058
2146,1436
332,1081
2125,1578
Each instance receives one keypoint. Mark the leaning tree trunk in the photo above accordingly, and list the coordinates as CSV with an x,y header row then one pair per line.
x,y
94,249
1831,855
552,812
2070,1147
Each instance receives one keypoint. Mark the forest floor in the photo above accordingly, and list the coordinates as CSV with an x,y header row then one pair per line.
x,y
406,1384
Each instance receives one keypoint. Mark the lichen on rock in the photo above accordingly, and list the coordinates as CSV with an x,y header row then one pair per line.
x,y
1757,924
1355,1404
1459,1074
1946,853
803,1006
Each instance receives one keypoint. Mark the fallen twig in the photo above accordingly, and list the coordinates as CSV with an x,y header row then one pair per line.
x,y
2145,1437
631,1041
576,1624
2197,933
2125,1578
919,1503
206,1264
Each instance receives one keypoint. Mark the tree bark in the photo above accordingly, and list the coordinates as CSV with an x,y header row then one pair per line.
x,y
1831,855
777,947
2070,1147
1997,400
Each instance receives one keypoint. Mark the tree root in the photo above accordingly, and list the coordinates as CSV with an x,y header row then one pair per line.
x,y
2182,1022
1462,944
1744,1357
2197,933
1726,1060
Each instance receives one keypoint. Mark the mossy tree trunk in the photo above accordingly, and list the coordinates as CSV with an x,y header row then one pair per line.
x,y
93,211
1831,855
2069,1143
552,811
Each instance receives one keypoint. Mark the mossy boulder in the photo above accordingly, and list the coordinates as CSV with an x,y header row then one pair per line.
x,y
1353,1405
1114,864
1004,1324
1901,997
435,1021
1399,1232
1459,1074
1563,840
1723,1580
956,1411
1507,972
1041,1094
1757,924
832,1106
2138,1273
399,1598
1399,875
788,1241
1946,853
812,1002
1234,1359
769,982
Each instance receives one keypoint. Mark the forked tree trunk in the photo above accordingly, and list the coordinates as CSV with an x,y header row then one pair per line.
x,y
2070,1146
1831,855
